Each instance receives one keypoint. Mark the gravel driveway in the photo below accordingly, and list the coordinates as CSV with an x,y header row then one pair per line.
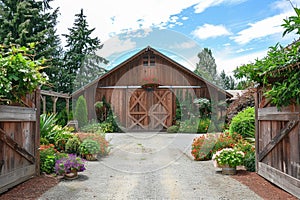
x,y
150,166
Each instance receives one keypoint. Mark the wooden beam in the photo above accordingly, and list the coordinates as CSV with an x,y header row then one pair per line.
x,y
284,181
44,104
54,99
278,116
15,146
159,87
37,134
8,180
16,113
283,132
56,94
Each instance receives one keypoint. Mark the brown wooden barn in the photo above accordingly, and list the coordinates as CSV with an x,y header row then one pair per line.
x,y
143,90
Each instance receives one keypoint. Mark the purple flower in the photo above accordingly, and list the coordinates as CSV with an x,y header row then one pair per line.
x,y
71,162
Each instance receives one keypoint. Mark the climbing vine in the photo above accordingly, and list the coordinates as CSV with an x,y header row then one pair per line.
x,y
19,73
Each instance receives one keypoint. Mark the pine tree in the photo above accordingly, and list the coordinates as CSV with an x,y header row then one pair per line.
x,y
227,82
81,61
207,67
22,22
31,21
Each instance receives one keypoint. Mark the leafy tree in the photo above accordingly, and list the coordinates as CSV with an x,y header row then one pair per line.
x,y
227,82
207,67
81,60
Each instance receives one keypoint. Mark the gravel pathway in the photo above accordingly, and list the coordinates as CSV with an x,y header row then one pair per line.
x,y
150,166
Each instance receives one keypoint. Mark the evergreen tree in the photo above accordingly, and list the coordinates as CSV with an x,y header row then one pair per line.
x,y
227,82
81,113
207,67
81,62
24,22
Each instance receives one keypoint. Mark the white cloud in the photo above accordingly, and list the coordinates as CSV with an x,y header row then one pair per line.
x,y
210,31
243,50
114,46
114,16
260,29
184,18
204,4
284,5
184,45
228,64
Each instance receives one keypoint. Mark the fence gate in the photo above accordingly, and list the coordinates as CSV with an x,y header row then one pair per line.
x,y
278,144
19,143
150,110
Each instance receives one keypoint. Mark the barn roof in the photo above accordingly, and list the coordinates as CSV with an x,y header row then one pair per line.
x,y
228,95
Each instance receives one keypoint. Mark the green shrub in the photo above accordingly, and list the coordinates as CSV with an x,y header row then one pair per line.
x,y
104,127
62,117
89,146
47,158
44,141
195,125
244,123
204,124
72,145
81,113
173,129
249,161
92,127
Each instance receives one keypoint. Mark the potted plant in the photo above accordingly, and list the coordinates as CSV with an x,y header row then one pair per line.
x,y
89,149
228,159
69,166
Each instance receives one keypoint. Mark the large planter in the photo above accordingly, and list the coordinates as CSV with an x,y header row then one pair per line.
x,y
226,170
72,175
91,157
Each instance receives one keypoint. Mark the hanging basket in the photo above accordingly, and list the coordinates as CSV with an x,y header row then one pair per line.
x,y
150,86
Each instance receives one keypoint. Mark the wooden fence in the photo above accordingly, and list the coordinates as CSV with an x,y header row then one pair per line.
x,y
278,144
19,142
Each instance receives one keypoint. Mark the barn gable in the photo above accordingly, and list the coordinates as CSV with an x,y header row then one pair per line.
x,y
144,88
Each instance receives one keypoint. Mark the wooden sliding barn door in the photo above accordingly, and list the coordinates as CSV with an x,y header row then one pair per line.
x,y
150,110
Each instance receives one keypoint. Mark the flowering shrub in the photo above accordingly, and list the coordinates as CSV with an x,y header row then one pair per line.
x,y
225,140
202,147
67,164
100,138
229,157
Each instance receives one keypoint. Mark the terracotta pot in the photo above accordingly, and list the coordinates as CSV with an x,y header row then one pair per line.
x,y
72,175
91,157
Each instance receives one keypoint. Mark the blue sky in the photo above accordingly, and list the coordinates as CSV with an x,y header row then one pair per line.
x,y
237,31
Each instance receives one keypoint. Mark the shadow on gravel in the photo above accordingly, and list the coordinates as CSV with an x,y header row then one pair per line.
x,y
79,179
